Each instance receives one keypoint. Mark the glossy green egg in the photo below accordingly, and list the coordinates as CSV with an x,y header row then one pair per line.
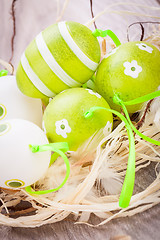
x,y
64,119
64,55
130,70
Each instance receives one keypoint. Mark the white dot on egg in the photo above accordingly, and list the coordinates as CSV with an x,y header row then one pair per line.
x,y
14,183
4,128
3,111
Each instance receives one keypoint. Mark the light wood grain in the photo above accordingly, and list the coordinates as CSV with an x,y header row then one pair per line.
x,y
31,17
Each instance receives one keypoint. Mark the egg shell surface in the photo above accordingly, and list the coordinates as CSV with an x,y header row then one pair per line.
x,y
64,55
14,104
64,119
19,166
130,70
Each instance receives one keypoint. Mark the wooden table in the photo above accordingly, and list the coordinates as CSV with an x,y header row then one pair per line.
x,y
31,17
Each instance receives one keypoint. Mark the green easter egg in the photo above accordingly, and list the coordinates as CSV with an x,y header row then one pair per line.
x,y
64,119
131,70
64,55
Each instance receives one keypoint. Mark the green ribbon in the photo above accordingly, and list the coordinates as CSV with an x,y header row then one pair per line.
x,y
101,33
128,185
143,99
117,100
59,149
3,72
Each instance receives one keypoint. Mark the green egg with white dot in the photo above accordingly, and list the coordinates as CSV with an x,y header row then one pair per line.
x,y
64,55
14,104
64,119
19,166
131,70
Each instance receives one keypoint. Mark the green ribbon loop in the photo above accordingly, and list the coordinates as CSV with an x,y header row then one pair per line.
x,y
101,33
116,99
144,98
63,146
128,185
58,148
3,72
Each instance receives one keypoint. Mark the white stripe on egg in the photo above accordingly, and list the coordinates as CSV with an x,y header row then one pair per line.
x,y
74,47
34,78
52,63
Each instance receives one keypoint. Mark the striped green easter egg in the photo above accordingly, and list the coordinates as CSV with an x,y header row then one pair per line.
x,y
64,55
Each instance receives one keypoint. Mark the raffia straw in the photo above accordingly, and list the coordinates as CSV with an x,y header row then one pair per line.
x,y
107,10
62,11
7,65
58,9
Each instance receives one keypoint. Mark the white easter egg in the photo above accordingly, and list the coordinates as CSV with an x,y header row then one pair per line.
x,y
18,165
13,104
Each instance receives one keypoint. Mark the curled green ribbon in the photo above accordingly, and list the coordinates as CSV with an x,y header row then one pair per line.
x,y
143,99
117,100
101,33
128,185
59,149
3,72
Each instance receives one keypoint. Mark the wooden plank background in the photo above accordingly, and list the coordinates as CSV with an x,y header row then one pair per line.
x,y
31,17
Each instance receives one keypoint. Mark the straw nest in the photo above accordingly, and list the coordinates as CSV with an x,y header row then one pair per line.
x,y
98,169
